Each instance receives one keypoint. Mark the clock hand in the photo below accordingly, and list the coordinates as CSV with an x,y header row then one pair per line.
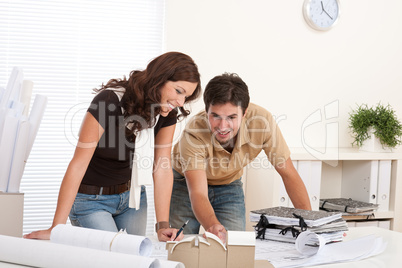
x,y
328,15
322,7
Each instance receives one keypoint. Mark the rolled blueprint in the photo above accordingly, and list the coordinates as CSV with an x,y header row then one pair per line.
x,y
46,254
7,141
103,240
26,94
13,87
35,117
18,157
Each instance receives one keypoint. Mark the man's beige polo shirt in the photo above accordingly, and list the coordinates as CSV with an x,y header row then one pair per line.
x,y
198,149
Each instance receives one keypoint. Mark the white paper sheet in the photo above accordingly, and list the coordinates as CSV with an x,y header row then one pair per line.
x,y
309,243
47,254
286,255
103,240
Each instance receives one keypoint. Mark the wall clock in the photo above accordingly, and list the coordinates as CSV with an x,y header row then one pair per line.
x,y
321,14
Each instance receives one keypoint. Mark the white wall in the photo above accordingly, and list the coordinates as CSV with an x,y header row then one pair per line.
x,y
290,69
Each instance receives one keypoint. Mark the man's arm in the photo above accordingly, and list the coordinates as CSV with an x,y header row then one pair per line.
x,y
198,190
294,185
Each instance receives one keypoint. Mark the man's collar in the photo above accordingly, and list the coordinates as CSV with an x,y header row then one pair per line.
x,y
244,135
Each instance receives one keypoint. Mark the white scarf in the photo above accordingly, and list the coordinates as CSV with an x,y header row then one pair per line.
x,y
143,160
142,168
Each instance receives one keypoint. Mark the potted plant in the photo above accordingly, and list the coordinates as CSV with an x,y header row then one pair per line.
x,y
380,123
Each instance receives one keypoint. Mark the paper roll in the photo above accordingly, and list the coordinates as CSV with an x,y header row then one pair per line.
x,y
2,93
309,243
26,94
7,142
46,254
35,117
13,87
103,240
18,158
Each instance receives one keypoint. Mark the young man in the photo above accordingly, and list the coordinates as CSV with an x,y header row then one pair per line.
x,y
208,160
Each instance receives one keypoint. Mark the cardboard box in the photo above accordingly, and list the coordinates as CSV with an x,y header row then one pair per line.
x,y
240,249
11,213
185,251
210,252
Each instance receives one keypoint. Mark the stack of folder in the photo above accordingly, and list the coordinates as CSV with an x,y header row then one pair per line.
x,y
285,224
350,209
347,205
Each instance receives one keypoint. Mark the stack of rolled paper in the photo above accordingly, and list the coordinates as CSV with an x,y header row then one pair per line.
x,y
18,128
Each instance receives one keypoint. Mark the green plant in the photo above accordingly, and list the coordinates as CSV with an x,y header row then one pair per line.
x,y
382,119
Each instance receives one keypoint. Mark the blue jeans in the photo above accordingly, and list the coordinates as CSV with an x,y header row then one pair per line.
x,y
109,212
226,200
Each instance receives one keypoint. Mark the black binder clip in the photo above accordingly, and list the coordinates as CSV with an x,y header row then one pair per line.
x,y
295,233
261,226
302,223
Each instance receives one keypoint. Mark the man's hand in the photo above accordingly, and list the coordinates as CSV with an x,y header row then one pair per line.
x,y
41,235
168,234
219,231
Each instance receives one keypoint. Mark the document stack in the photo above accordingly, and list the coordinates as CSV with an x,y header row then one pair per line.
x,y
285,224
350,209
18,128
347,205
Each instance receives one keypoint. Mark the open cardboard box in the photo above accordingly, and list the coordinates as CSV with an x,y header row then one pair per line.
x,y
210,252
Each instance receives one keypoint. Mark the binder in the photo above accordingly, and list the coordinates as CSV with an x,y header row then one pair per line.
x,y
347,205
384,184
283,198
261,178
286,216
359,180
310,172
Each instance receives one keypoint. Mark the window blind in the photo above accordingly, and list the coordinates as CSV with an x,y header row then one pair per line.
x,y
67,48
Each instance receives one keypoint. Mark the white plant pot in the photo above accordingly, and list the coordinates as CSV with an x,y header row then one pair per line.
x,y
373,144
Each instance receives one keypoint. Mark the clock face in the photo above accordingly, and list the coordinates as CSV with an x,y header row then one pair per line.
x,y
321,14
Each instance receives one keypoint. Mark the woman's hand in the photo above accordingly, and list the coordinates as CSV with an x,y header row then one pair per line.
x,y
41,235
169,234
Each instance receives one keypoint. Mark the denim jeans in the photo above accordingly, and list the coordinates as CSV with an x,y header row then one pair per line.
x,y
109,212
226,200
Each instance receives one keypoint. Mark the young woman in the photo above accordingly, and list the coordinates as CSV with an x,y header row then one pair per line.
x,y
95,192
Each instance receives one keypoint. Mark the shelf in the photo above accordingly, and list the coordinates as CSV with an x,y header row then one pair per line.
x,y
340,169
333,154
378,215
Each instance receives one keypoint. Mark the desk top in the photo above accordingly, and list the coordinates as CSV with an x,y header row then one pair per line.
x,y
389,258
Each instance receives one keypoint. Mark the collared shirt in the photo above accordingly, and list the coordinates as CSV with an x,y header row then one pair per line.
x,y
198,149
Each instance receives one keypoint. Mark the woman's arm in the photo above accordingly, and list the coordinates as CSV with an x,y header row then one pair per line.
x,y
163,180
90,133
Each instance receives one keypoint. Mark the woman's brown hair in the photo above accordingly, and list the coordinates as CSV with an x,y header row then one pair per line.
x,y
142,88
